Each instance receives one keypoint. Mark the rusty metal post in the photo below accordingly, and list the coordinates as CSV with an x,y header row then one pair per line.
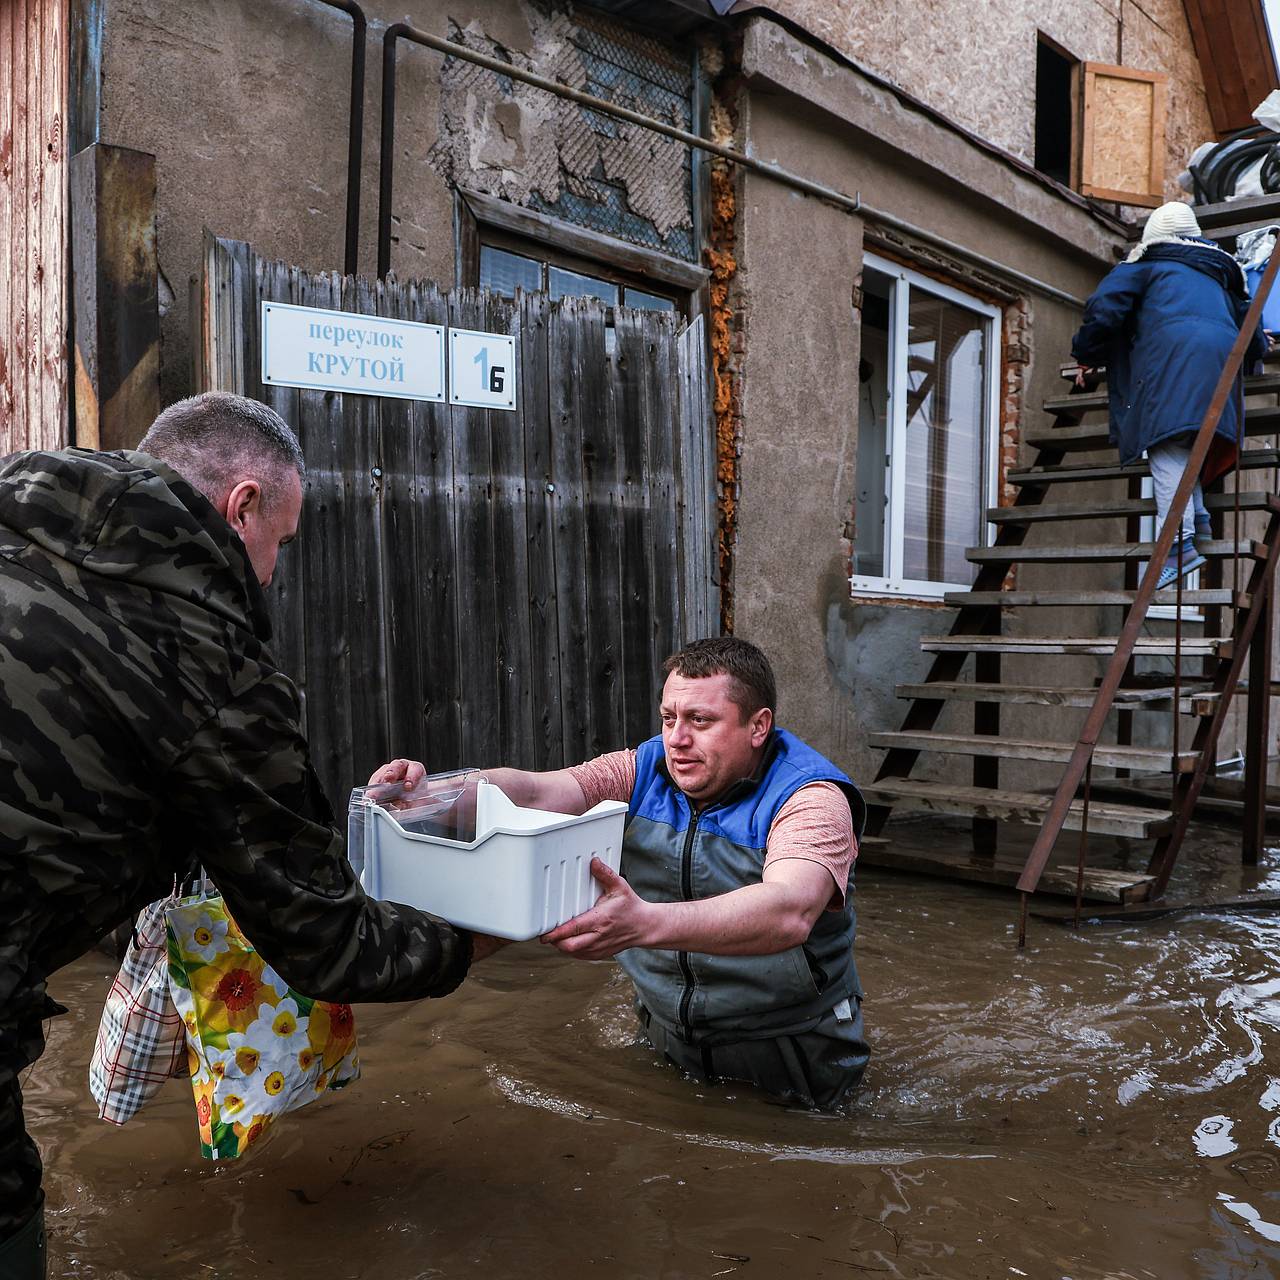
x,y
115,311
1258,735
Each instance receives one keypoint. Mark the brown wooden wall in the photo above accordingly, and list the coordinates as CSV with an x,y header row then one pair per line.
x,y
1230,38
33,214
474,587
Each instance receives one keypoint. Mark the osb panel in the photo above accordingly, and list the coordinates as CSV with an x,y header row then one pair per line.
x,y
1122,134
998,38
33,204
1157,38
517,142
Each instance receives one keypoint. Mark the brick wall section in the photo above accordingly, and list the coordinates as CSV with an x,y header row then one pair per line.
x,y
1016,341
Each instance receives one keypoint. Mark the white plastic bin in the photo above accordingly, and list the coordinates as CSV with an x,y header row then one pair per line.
x,y
524,872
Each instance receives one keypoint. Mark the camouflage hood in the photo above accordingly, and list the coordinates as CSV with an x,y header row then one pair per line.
x,y
132,517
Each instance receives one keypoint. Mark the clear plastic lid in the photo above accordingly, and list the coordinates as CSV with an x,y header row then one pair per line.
x,y
441,804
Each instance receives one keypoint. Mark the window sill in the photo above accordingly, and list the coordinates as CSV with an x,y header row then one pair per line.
x,y
930,594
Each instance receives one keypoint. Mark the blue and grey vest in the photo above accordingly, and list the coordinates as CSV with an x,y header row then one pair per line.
x,y
672,854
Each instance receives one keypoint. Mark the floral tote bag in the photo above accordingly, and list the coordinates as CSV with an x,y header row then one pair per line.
x,y
256,1048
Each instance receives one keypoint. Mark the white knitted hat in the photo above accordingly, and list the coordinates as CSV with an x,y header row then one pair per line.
x,y
1169,220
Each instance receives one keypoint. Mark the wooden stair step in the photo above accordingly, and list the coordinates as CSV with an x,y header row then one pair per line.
x,y
1259,420
1082,696
1087,401
1025,807
1100,884
1191,599
1080,472
1144,646
1252,500
1101,552
1148,759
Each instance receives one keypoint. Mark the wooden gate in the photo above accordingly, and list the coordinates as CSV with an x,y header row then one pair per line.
x,y
480,587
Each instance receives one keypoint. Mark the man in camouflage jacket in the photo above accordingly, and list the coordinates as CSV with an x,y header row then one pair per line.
x,y
144,728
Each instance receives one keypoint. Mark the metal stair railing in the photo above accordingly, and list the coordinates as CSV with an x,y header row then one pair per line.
x,y
1206,739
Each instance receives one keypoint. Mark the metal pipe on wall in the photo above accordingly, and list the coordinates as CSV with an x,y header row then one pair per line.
x,y
849,204
355,131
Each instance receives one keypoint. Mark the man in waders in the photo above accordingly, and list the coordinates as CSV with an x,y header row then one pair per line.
x,y
147,729
732,914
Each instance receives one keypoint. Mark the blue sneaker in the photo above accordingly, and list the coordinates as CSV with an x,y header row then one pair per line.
x,y
1204,531
1191,560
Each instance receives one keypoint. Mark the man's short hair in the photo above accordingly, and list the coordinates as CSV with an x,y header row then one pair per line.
x,y
751,683
216,439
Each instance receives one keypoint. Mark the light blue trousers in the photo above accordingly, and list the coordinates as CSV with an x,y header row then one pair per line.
x,y
1168,460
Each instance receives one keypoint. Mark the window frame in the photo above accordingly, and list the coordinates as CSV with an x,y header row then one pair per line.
x,y
484,219
893,584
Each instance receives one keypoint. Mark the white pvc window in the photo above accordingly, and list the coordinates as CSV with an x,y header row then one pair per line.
x,y
928,433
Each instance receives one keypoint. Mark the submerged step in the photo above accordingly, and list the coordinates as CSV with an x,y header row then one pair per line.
x,y
1148,759
1027,808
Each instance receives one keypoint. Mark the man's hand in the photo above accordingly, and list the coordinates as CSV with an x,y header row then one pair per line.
x,y
1085,376
618,921
402,774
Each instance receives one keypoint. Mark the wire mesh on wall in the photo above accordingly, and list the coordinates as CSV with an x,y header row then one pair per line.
x,y
556,157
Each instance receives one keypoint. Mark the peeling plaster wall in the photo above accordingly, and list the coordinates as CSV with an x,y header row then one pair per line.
x,y
245,105
976,63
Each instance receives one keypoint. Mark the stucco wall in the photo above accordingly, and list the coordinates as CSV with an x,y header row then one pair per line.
x,y
245,105
976,63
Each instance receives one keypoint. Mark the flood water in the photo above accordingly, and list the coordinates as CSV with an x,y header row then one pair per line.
x,y
1104,1104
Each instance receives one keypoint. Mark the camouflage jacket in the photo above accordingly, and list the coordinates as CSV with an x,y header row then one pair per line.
x,y
145,728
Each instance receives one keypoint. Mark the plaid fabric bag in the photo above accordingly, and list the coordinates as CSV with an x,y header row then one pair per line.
x,y
141,1041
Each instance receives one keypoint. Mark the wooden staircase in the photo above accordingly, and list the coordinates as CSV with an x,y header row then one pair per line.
x,y
1041,528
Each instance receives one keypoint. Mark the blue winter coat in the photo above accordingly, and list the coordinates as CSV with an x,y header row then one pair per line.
x,y
1163,326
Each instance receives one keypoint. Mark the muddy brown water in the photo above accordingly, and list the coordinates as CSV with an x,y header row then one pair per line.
x,y
1104,1104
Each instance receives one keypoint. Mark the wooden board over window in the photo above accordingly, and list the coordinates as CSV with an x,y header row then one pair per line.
x,y
1122,144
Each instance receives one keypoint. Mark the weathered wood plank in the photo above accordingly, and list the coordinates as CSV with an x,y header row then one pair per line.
x,y
1101,553
422,593
597,411
1075,599
661,416
361,557
546,749
1015,806
1192,646
631,432
1099,885
115,298
564,372
510,567
1027,695
1078,472
474,570
1148,758
286,597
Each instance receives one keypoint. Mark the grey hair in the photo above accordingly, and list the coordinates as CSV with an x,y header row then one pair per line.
x,y
216,439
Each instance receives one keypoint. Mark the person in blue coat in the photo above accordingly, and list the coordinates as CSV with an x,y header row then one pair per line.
x,y
1163,322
